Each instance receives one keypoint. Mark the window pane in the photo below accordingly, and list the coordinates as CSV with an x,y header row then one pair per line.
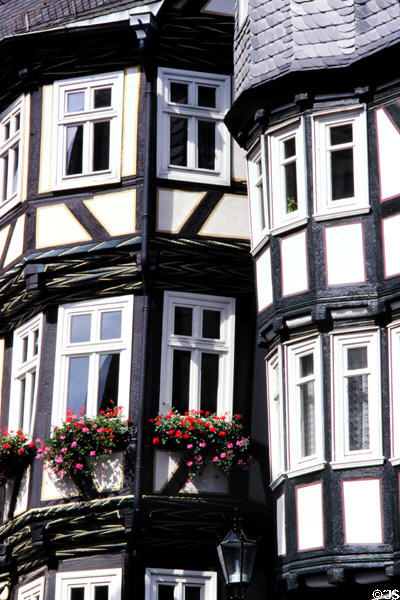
x,y
4,176
74,149
7,130
102,98
110,327
35,342
209,381
289,147
211,324
192,592
22,403
342,174
307,418
77,382
108,381
165,592
358,420
101,145
290,172
183,320
80,328
25,349
101,592
206,96
77,593
75,101
206,145
357,358
179,92
341,134
259,193
178,141
306,365
17,121
180,380
16,169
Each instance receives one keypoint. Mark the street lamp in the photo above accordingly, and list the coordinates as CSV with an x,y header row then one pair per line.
x,y
237,554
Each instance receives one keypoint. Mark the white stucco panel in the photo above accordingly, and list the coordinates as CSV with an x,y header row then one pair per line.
x,y
116,211
264,280
281,525
174,207
229,219
16,246
362,511
310,520
344,246
56,225
388,151
294,264
391,245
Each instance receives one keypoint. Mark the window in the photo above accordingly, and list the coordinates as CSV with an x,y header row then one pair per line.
x,y
197,353
89,585
88,126
162,584
304,405
93,356
193,142
25,374
32,591
287,176
340,150
258,195
356,399
11,155
394,373
275,416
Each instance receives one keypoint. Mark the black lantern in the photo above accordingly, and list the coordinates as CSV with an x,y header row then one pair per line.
x,y
237,554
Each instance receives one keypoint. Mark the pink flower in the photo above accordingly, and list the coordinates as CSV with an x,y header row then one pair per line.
x,y
189,463
63,449
38,441
239,443
100,430
79,466
74,444
62,437
202,445
92,453
81,422
215,459
59,459
189,446
223,454
85,430
230,445
60,473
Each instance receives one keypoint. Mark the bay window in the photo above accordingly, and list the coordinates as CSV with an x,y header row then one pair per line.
x,y
197,352
258,194
89,585
12,143
356,410
163,584
193,140
32,591
93,356
275,416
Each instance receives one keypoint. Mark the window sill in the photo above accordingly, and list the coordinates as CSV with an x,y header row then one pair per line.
x,y
86,181
194,176
260,243
394,462
289,226
338,214
306,469
276,482
8,204
360,462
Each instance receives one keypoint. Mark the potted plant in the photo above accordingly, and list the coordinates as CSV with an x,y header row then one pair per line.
x,y
16,452
74,448
204,439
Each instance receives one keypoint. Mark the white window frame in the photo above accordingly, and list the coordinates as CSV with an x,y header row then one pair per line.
x,y
342,456
207,580
324,206
223,346
258,193
7,146
298,464
93,348
281,220
32,591
88,579
394,380
25,370
243,11
87,117
276,425
193,113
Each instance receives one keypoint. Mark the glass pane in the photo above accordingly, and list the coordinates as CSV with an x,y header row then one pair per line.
x,y
357,358
17,121
206,96
75,102
341,134
101,145
4,177
178,141
289,147
25,348
211,324
35,342
358,420
192,592
101,592
165,592
290,173
7,130
209,382
77,593
206,145
16,169
33,388
180,380
102,98
80,328
22,403
259,192
306,365
179,92
183,320
78,377
342,174
110,327
74,149
108,381
307,418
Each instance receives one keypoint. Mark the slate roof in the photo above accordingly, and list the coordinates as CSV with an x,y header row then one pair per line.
x,y
294,35
22,16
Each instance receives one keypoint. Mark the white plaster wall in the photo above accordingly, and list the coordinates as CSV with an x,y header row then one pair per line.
x,y
362,511
310,522
294,264
344,246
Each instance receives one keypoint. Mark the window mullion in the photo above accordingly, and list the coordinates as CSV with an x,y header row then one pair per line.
x,y
195,380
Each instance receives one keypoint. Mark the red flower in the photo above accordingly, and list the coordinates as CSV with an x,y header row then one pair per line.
x,y
178,433
171,431
222,433
186,435
156,440
212,429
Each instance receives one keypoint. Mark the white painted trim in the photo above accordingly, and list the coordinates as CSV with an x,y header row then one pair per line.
x,y
30,590
88,579
19,139
258,194
276,429
207,580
